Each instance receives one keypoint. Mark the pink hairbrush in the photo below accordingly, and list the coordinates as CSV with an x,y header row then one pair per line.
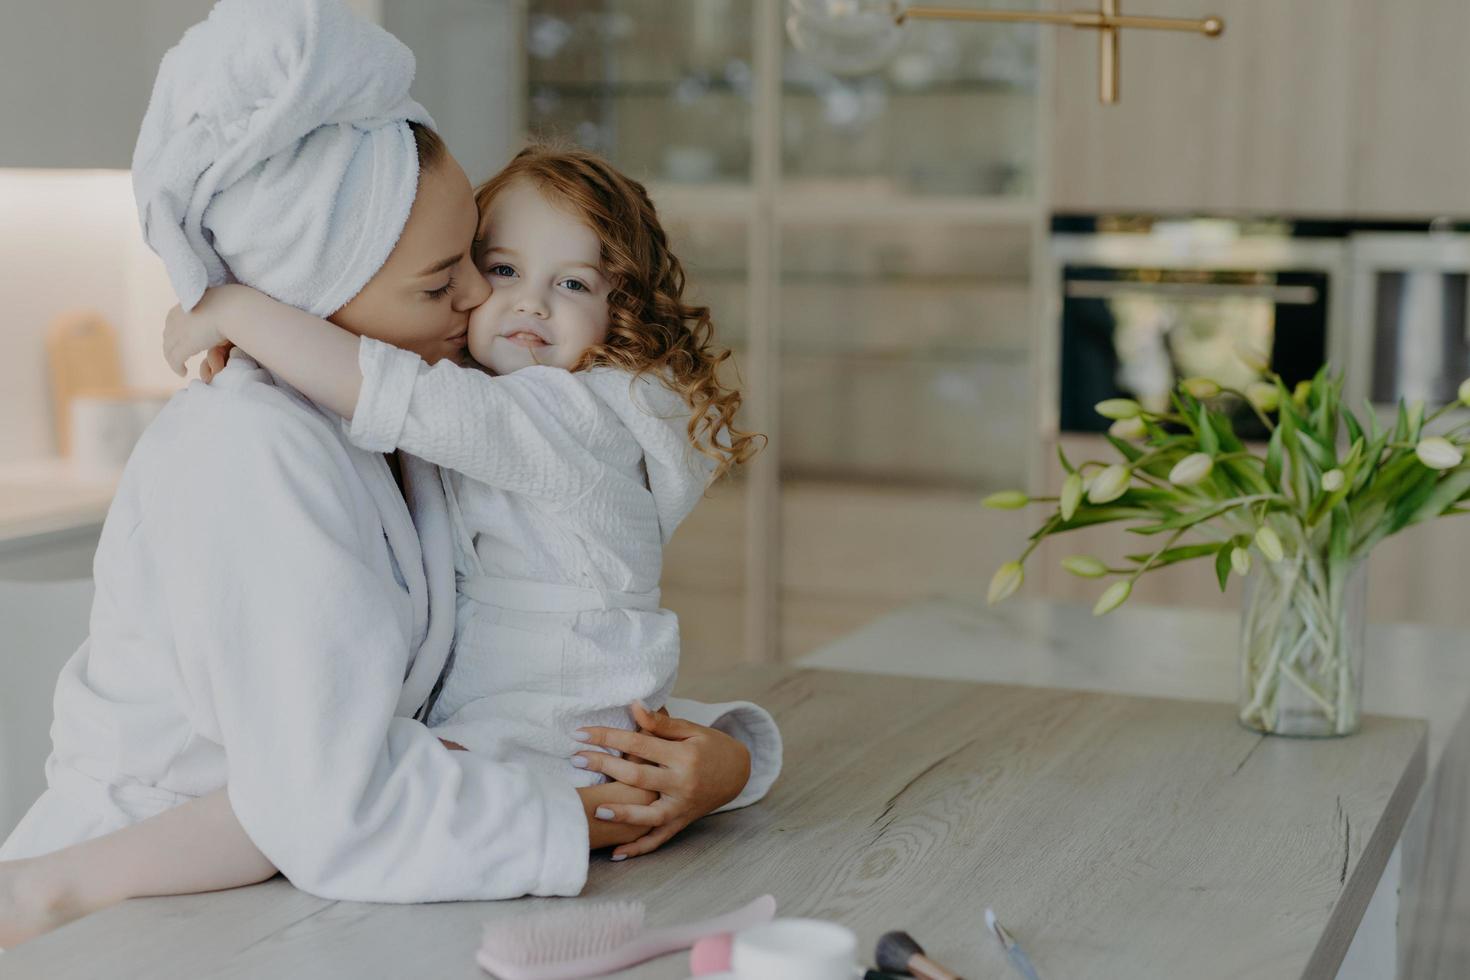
x,y
592,940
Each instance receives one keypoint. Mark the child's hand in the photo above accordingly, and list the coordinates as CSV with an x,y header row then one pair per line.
x,y
214,362
694,769
187,334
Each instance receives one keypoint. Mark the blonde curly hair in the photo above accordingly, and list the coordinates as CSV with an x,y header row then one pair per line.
x,y
650,326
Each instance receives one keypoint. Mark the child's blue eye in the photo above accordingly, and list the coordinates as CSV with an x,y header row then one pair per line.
x,y
575,285
501,270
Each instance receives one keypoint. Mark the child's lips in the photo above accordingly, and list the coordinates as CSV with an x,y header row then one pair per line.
x,y
525,338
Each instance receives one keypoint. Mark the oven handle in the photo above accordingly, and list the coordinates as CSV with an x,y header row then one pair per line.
x,y
1106,289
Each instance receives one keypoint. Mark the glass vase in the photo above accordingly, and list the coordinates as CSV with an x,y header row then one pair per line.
x,y
1301,646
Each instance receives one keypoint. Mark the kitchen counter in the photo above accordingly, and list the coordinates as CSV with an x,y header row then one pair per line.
x,y
1116,835
50,517
1414,928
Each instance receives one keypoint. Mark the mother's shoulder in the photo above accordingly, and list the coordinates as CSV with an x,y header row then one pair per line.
x,y
243,416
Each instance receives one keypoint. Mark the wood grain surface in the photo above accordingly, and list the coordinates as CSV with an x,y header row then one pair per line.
x,y
1115,836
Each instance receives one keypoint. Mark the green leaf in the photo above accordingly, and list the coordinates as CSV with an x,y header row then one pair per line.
x,y
1087,516
1417,489
1371,414
1186,519
1401,427
1209,442
1229,441
1186,406
1273,458
1130,452
1066,463
1340,541
1173,555
1222,564
1448,490
1319,454
1355,430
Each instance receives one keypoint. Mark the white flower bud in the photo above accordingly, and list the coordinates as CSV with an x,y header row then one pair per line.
x,y
1118,408
1192,469
1006,581
1200,388
1265,396
1333,480
1240,560
1071,495
1128,430
1301,393
1084,566
1115,596
1438,453
1270,544
1110,484
1006,500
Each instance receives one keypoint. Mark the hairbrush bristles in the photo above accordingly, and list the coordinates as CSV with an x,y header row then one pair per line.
x,y
558,935
895,949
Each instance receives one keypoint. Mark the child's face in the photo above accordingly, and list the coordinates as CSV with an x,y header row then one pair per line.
x,y
548,301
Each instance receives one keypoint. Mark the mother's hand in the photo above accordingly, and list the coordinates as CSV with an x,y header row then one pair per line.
x,y
694,770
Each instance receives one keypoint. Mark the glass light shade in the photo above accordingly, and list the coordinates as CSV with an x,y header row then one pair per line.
x,y
846,37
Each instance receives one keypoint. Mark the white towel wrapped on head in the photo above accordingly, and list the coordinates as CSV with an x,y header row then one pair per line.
x,y
276,152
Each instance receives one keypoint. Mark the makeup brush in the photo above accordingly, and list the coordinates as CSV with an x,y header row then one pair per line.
x,y
898,953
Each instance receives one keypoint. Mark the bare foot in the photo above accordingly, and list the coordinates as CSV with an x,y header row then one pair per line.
x,y
32,902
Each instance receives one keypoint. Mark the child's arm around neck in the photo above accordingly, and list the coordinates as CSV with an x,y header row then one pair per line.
x,y
312,355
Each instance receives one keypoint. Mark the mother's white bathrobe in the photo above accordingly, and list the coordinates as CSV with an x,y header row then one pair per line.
x,y
271,613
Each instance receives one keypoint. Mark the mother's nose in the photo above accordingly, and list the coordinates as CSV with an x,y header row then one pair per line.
x,y
475,291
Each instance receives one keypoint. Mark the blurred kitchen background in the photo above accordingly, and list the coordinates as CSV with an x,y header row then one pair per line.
x,y
928,270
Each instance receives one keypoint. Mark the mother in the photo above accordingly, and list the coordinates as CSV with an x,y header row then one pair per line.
x,y
274,605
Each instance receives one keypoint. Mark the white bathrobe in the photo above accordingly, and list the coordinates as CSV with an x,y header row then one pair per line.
x,y
564,488
269,614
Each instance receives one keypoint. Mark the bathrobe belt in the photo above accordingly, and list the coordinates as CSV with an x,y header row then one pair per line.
x,y
518,594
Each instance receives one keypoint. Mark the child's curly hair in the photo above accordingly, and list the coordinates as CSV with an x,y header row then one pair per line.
x,y
650,327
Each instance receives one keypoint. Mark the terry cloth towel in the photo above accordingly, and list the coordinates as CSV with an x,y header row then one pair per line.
x,y
276,152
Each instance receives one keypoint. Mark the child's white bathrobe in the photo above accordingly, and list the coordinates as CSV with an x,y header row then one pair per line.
x,y
270,612
564,488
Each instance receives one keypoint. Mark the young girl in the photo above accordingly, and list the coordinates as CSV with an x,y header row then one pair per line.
x,y
591,425
594,427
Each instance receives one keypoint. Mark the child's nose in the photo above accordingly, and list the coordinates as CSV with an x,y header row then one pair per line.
x,y
531,302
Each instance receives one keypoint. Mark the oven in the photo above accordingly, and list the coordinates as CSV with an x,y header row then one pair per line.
x,y
1145,304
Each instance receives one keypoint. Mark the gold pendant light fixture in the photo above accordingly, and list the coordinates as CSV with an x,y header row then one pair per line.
x,y
855,36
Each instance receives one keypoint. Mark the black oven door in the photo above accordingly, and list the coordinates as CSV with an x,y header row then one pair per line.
x,y
1135,333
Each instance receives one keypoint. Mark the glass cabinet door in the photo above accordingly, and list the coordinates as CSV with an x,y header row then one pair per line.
x,y
905,211
907,231
663,89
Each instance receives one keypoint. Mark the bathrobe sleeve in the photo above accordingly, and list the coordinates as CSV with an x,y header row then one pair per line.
x,y
753,726
532,432
293,641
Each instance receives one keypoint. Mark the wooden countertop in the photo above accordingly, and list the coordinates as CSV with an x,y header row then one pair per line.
x,y
1115,835
47,496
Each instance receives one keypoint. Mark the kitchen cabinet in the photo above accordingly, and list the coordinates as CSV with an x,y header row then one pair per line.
x,y
1410,147
1307,107
1256,120
867,245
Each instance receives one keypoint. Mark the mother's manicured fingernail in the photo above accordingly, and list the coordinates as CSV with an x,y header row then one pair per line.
x,y
579,762
581,736
603,813
620,857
